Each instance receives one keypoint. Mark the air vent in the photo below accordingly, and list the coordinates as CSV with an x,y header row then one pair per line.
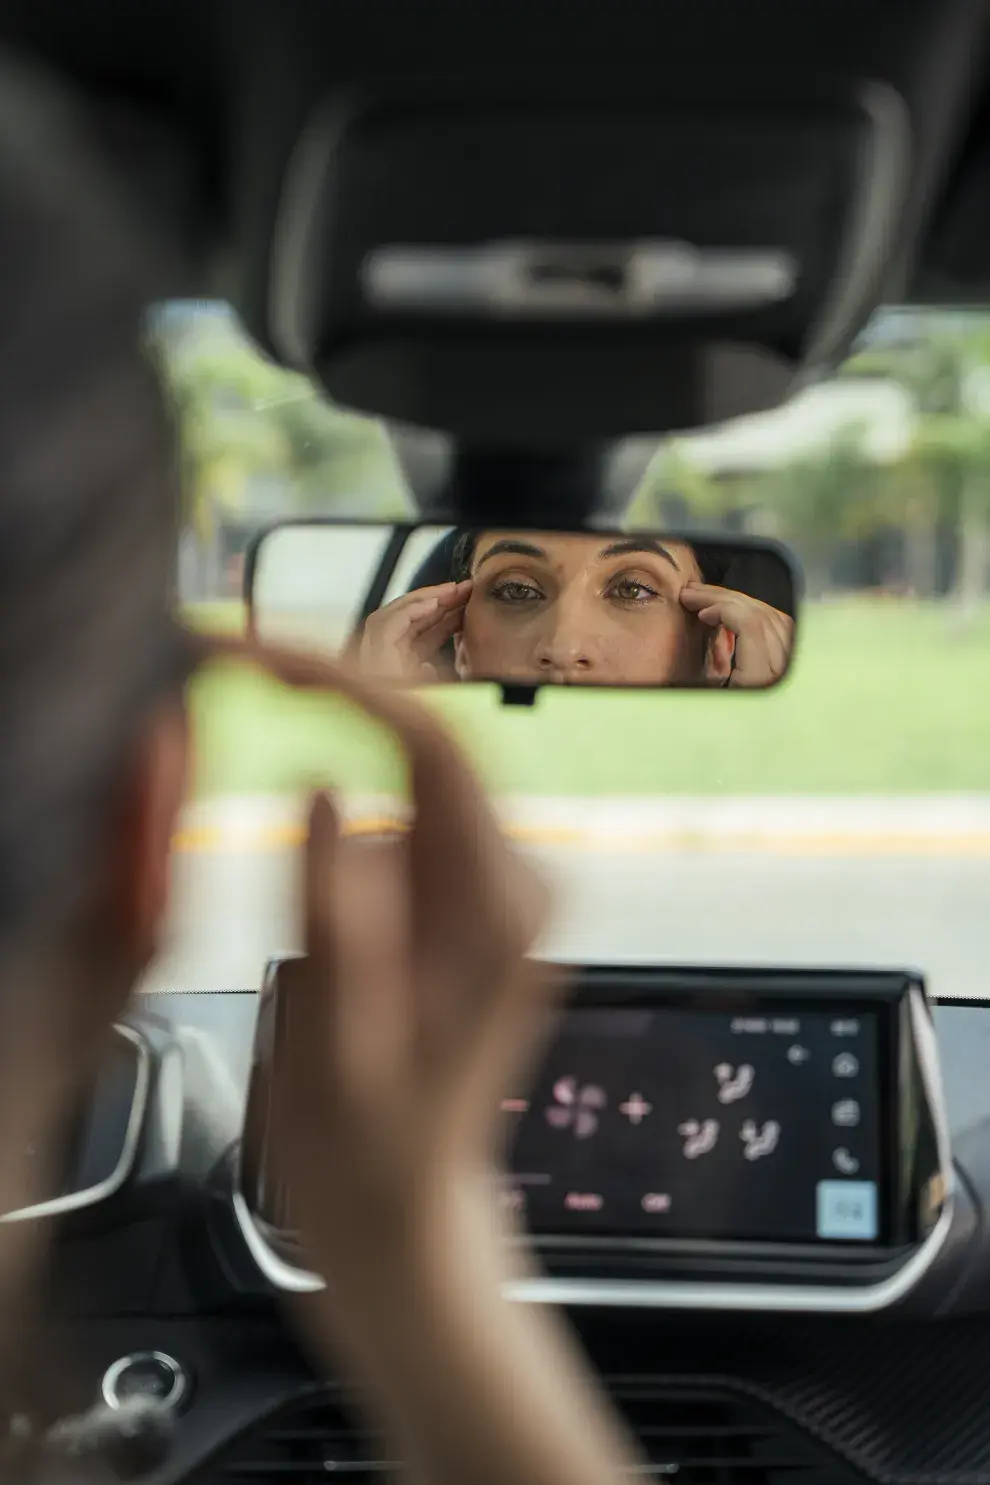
x,y
708,1438
312,1439
687,1436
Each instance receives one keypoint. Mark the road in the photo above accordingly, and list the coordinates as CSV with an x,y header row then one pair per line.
x,y
806,890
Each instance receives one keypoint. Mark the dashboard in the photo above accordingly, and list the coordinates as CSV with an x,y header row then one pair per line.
x,y
837,1332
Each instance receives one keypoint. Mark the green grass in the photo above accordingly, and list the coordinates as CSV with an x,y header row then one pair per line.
x,y
884,697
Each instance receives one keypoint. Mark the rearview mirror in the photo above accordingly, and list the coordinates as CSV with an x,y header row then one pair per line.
x,y
423,605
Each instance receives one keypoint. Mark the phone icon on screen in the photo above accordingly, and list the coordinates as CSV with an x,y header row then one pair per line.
x,y
844,1162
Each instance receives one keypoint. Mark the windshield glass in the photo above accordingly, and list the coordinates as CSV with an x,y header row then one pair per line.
x,y
842,819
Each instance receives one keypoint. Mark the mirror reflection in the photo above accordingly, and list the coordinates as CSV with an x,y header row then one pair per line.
x,y
429,605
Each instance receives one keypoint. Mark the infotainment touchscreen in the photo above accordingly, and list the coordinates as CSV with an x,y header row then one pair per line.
x,y
682,1123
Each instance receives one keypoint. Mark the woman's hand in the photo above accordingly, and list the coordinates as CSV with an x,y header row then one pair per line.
x,y
764,636
413,1011
403,640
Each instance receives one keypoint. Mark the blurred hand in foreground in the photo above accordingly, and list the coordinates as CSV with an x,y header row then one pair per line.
x,y
414,1009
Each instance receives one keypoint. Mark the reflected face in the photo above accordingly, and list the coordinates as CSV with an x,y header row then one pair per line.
x,y
580,609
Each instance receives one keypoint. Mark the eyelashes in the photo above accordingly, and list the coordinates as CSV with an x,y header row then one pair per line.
x,y
626,590
513,590
645,592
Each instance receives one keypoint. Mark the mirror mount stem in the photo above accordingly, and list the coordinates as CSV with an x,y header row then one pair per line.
x,y
535,488
527,488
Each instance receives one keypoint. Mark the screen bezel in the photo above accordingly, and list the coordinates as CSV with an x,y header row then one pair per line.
x,y
737,991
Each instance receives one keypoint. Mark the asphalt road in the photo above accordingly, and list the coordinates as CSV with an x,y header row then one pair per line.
x,y
926,910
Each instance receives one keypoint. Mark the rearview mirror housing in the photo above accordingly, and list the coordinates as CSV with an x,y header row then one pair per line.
x,y
527,607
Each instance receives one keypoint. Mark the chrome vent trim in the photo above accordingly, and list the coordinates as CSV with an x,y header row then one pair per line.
x,y
692,1434
91,1196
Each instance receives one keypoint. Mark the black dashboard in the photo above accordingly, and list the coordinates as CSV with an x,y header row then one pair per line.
x,y
165,1286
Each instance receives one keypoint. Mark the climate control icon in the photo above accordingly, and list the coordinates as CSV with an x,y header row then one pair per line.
x,y
576,1108
700,1137
759,1142
733,1082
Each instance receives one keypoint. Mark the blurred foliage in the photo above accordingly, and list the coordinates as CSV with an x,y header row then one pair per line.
x,y
260,444
918,523
260,441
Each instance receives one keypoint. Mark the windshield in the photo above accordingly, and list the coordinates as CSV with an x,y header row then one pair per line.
x,y
842,819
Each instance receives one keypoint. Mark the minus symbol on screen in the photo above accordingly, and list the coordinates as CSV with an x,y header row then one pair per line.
x,y
515,1105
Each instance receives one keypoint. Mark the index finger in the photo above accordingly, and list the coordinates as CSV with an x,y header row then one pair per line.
x,y
705,595
442,611
462,870
440,777
737,611
443,593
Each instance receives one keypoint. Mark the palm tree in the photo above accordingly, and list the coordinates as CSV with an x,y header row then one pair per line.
x,y
673,484
338,460
943,476
950,453
222,449
245,422
822,499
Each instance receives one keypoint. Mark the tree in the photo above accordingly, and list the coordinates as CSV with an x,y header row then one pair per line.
x,y
822,499
949,457
953,451
673,482
250,430
338,459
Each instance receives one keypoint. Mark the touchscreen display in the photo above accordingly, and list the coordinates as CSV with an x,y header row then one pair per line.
x,y
671,1123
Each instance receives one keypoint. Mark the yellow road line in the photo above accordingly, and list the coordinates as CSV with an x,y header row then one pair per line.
x,y
262,839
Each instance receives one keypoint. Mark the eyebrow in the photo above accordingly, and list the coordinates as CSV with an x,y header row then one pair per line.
x,y
514,549
627,548
640,544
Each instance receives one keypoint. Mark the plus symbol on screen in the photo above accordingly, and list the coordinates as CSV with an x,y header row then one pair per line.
x,y
636,1108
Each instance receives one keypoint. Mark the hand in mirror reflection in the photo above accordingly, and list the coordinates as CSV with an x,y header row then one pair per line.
x,y
405,639
762,636
567,608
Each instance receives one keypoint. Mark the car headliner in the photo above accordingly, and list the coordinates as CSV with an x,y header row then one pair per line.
x,y
221,91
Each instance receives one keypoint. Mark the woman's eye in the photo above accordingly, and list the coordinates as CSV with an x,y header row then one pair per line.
x,y
631,590
513,591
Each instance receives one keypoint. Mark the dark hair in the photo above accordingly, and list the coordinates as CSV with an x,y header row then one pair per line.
x,y
712,561
88,503
462,557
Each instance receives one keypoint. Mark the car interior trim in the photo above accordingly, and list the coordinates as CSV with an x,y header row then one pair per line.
x,y
110,1386
883,185
650,1294
101,1191
292,234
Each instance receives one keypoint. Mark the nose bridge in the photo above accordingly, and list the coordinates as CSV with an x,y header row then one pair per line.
x,y
566,637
